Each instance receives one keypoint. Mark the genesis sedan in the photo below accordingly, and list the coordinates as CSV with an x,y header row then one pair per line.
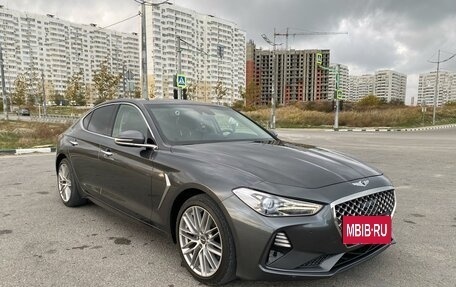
x,y
238,201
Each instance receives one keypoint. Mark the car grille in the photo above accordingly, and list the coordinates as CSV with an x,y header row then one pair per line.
x,y
380,203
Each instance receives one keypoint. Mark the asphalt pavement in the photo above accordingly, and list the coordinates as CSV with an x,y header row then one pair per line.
x,y
44,243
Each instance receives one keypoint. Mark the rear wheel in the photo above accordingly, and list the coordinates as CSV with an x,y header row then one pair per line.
x,y
67,186
205,241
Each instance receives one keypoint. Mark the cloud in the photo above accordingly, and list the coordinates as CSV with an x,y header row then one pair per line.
x,y
400,35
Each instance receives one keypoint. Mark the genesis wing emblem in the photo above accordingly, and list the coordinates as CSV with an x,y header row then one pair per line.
x,y
361,183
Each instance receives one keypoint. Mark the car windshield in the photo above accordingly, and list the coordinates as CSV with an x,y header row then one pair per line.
x,y
192,124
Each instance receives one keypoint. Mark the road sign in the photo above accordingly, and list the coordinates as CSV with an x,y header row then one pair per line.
x,y
181,81
319,58
339,94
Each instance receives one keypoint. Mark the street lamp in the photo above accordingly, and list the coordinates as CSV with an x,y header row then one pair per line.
x,y
145,92
337,93
274,75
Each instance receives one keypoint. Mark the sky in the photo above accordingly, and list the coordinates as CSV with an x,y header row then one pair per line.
x,y
403,35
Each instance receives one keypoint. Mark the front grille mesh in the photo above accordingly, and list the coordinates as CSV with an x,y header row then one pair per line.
x,y
380,203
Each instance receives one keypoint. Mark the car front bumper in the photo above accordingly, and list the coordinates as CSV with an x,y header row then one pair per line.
x,y
316,248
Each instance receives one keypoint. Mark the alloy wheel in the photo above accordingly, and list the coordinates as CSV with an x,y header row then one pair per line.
x,y
64,182
200,241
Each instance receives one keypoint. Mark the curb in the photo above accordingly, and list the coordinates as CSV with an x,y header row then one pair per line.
x,y
392,129
22,151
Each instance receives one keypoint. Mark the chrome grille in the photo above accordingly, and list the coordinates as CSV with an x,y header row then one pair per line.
x,y
380,203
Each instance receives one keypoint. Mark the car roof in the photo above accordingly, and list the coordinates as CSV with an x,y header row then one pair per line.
x,y
160,102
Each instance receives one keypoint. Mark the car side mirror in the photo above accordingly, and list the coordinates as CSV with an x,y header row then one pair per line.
x,y
133,138
130,137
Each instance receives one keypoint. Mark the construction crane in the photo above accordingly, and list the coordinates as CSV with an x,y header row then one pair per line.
x,y
287,34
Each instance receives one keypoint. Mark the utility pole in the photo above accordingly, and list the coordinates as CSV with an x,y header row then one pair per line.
x,y
273,43
44,93
2,72
123,78
337,94
179,65
145,92
436,88
437,81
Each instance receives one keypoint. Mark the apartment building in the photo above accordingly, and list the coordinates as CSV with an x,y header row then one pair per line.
x,y
35,44
360,87
447,88
213,51
298,77
390,85
343,81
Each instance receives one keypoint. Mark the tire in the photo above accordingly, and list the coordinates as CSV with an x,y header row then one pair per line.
x,y
67,185
205,242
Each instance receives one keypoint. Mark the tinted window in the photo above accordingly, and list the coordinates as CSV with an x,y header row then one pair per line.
x,y
191,124
86,121
101,121
129,118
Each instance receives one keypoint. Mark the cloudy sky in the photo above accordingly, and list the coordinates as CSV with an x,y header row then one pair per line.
x,y
394,34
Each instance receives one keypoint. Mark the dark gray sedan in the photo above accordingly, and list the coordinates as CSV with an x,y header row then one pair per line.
x,y
237,200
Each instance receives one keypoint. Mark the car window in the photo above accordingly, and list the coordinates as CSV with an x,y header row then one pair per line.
x,y
191,124
129,118
101,120
86,121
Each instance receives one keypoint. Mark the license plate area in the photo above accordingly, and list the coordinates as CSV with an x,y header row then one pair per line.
x,y
366,230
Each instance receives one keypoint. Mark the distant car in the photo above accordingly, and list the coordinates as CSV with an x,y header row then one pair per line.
x,y
237,200
23,112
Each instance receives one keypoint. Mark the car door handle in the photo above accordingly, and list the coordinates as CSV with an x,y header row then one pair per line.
x,y
73,142
106,153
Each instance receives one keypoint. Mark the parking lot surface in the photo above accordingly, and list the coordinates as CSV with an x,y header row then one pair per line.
x,y
44,243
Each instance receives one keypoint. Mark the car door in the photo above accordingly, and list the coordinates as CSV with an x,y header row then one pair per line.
x,y
85,147
127,171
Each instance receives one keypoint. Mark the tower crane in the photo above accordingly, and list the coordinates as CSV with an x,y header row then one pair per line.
x,y
287,34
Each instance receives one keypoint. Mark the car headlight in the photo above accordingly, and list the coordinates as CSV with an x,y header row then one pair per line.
x,y
273,205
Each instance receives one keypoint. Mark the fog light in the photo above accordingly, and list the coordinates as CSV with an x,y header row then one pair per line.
x,y
279,248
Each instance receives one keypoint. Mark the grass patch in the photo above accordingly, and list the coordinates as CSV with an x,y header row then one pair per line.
x,y
398,117
21,134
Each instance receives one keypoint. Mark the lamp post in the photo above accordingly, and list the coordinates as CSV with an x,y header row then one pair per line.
x,y
145,87
273,43
337,92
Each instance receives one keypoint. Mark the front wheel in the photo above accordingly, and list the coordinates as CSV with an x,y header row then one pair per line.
x,y
67,185
205,241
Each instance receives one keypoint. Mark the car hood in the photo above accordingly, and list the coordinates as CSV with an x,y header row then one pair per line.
x,y
282,163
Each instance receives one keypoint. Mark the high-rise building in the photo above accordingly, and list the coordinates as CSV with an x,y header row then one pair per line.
x,y
213,54
360,87
298,77
34,44
390,85
343,81
447,88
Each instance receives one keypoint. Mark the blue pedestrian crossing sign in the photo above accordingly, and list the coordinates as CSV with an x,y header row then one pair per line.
x,y
181,81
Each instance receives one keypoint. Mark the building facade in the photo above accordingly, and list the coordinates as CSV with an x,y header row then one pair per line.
x,y
390,85
298,77
44,44
212,52
360,87
426,88
343,81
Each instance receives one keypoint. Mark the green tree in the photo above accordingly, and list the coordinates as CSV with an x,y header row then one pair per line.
x,y
191,91
75,93
20,91
220,91
137,91
252,94
106,83
370,101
